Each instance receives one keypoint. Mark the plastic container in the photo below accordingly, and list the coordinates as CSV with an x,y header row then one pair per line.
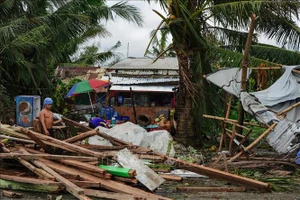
x,y
297,161
109,112
102,111
113,120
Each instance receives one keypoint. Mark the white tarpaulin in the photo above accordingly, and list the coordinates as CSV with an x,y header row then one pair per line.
x,y
160,141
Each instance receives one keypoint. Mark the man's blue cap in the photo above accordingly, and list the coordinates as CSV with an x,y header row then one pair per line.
x,y
48,101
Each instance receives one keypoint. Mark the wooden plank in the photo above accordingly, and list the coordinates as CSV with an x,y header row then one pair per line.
x,y
108,195
29,180
36,140
81,136
68,145
11,194
70,187
76,124
101,147
84,166
212,189
29,187
107,184
126,180
170,177
220,175
45,156
17,139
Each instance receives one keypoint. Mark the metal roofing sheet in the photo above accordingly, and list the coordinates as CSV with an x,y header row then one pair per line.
x,y
135,81
142,88
169,63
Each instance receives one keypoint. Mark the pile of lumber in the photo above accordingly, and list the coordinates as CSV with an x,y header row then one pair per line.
x,y
54,165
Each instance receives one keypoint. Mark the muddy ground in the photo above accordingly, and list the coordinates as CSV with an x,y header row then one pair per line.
x,y
169,190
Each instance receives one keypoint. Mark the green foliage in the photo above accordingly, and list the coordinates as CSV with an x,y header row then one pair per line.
x,y
92,56
36,35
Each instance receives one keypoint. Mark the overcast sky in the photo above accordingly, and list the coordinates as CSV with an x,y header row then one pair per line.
x,y
125,32
137,37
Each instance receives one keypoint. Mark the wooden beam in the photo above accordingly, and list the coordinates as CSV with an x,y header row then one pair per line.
x,y
212,189
76,124
36,140
17,139
81,136
45,156
70,187
108,195
84,166
68,145
29,180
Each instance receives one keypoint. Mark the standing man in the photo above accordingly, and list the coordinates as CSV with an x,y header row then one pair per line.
x,y
46,118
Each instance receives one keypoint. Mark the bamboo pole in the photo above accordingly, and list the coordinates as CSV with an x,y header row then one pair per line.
x,y
232,121
223,136
254,142
288,109
232,138
244,69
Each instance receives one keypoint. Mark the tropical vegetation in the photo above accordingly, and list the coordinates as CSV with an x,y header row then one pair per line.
x,y
37,35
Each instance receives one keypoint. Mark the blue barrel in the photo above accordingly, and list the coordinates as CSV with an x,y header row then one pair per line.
x,y
102,111
108,113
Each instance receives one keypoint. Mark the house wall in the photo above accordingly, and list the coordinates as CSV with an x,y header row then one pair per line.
x,y
128,111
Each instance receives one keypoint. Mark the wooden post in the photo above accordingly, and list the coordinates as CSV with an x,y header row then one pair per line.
x,y
223,136
244,69
133,105
81,136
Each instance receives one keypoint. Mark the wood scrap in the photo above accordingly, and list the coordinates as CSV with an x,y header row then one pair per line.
x,y
170,177
108,195
11,194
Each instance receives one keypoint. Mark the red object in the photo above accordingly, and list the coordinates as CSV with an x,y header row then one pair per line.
x,y
97,83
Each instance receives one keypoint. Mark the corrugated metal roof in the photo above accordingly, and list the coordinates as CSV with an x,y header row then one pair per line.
x,y
143,88
169,63
136,81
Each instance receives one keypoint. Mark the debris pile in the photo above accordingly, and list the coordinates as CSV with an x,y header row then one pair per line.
x,y
112,171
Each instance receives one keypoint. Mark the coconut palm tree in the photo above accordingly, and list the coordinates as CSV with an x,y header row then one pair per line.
x,y
35,35
213,32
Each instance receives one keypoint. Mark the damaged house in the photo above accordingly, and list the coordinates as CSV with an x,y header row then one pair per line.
x,y
150,85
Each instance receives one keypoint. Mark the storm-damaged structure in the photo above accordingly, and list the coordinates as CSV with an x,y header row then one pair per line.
x,y
277,107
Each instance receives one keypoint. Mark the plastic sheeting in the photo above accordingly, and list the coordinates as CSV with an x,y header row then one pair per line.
x,y
229,79
264,104
160,141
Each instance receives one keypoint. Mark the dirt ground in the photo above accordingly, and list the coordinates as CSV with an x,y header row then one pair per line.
x,y
169,190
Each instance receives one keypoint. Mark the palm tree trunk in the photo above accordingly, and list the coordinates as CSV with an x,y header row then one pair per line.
x,y
185,129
